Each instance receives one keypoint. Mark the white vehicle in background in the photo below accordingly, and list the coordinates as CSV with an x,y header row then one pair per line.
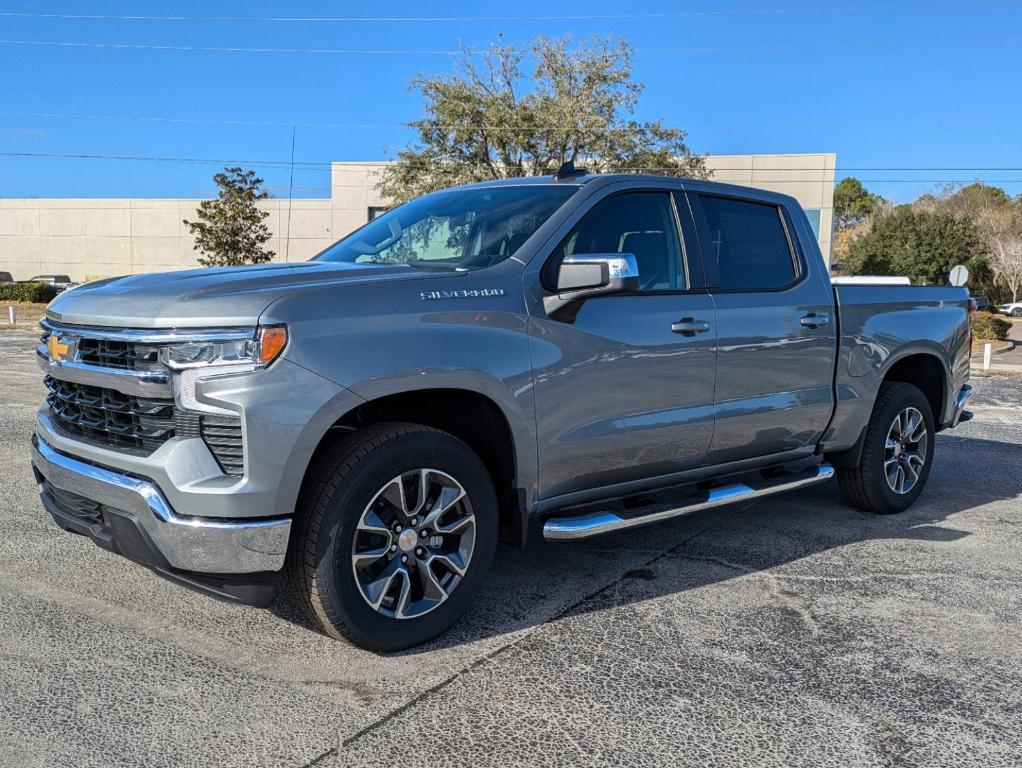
x,y
869,280
1014,309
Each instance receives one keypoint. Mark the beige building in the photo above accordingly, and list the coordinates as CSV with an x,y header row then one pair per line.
x,y
88,238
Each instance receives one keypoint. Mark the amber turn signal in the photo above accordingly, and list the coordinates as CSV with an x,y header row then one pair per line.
x,y
272,340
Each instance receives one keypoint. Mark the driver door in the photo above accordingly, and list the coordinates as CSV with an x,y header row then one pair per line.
x,y
625,392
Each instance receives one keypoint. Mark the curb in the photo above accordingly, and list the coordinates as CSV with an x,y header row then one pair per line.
x,y
995,368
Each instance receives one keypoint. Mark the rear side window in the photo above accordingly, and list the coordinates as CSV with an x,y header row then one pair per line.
x,y
749,243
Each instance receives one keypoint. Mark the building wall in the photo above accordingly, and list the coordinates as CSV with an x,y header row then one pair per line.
x,y
91,238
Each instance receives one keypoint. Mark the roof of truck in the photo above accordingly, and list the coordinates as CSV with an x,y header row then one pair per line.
x,y
636,179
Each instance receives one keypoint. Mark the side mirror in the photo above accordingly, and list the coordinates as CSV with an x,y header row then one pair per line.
x,y
587,275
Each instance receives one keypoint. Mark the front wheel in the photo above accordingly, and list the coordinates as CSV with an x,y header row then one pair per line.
x,y
1016,312
897,453
396,529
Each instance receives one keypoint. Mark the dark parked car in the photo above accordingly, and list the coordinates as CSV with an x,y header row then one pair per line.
x,y
60,282
5,278
981,304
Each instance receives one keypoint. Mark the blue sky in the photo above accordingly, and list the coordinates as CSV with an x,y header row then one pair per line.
x,y
886,85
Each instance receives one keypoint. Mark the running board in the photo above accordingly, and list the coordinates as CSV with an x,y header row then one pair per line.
x,y
596,523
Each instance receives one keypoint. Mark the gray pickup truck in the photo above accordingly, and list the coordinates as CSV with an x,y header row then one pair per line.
x,y
589,352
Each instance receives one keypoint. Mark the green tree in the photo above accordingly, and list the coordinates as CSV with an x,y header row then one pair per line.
x,y
853,203
922,245
230,230
998,218
855,209
494,118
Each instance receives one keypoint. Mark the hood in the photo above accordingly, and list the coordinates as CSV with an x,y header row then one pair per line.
x,y
214,297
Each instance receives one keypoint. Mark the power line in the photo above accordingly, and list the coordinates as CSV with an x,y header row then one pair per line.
x,y
327,164
225,49
206,121
407,124
320,165
469,51
738,12
166,159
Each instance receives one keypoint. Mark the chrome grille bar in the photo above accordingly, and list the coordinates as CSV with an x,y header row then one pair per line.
x,y
153,335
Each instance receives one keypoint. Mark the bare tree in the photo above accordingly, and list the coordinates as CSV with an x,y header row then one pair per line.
x,y
1003,230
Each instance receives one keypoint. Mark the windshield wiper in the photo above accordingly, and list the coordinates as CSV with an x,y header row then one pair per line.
x,y
427,264
418,264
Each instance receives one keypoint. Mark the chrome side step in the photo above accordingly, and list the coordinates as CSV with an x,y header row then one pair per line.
x,y
596,523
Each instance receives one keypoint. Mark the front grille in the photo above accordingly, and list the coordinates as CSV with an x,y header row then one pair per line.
x,y
118,354
129,423
109,417
222,435
108,353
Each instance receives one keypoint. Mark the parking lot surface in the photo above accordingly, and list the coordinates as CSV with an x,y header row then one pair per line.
x,y
791,631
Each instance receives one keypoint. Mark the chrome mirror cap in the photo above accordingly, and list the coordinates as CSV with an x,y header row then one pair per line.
x,y
619,265
588,275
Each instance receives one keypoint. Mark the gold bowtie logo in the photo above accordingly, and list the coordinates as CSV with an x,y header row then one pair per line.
x,y
58,349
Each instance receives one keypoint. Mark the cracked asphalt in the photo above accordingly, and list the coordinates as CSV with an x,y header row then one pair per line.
x,y
792,631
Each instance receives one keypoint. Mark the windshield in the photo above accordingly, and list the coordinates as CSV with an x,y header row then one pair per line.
x,y
459,229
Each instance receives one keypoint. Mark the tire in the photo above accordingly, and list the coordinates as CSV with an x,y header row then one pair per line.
x,y
869,485
1016,312
333,566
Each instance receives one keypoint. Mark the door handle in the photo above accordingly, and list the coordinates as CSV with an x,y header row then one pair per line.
x,y
815,319
689,326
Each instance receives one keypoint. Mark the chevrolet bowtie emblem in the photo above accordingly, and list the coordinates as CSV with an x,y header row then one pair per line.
x,y
59,349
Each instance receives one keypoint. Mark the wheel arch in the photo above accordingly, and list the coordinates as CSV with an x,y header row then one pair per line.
x,y
923,369
469,415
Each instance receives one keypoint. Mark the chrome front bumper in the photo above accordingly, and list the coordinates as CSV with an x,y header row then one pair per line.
x,y
184,543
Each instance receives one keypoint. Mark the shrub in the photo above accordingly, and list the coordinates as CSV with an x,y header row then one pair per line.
x,y
37,293
986,325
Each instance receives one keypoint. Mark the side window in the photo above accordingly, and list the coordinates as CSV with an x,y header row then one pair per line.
x,y
639,223
749,244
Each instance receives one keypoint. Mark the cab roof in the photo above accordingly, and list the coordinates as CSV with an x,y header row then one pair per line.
x,y
638,180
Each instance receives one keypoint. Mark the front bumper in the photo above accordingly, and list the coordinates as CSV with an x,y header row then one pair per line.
x,y
130,515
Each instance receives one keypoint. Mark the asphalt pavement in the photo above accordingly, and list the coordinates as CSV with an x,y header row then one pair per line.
x,y
791,631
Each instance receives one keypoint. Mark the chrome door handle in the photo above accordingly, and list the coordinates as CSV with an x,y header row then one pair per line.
x,y
815,319
689,326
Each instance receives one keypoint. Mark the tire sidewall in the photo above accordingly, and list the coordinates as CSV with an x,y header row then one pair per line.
x,y
334,575
907,396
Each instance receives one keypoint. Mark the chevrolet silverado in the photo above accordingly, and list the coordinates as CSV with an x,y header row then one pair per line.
x,y
592,352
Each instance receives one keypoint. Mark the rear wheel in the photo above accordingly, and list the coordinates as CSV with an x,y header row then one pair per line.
x,y
896,455
395,534
1016,312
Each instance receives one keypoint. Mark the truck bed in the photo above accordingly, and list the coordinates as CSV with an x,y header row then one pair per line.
x,y
882,324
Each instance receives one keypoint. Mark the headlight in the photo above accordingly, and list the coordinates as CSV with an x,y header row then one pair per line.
x,y
258,352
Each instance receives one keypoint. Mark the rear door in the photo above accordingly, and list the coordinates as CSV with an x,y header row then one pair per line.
x,y
775,329
625,392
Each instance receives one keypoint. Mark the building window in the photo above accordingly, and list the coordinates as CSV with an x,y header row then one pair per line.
x,y
813,214
377,210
